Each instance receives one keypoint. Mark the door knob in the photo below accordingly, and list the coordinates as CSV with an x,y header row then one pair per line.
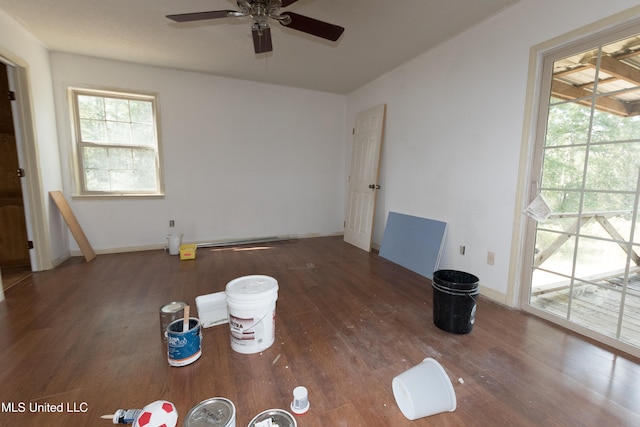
x,y
374,186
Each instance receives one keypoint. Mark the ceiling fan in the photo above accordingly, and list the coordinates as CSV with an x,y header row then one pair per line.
x,y
260,11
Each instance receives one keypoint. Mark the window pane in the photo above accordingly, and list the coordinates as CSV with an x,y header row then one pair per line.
x,y
146,180
93,131
611,202
117,109
563,167
119,133
622,225
144,160
122,180
598,257
143,134
120,158
613,167
91,107
568,124
630,330
141,112
595,307
545,296
95,157
562,201
612,127
97,180
554,252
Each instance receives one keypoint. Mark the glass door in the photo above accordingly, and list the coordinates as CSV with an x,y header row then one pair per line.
x,y
585,266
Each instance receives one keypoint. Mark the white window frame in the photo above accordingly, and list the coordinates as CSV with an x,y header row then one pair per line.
x,y
79,145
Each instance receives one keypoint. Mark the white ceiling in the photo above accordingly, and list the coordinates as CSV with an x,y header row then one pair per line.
x,y
379,36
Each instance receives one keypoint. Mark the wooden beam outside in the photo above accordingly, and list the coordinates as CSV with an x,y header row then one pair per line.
x,y
564,236
609,65
615,235
569,92
618,69
633,108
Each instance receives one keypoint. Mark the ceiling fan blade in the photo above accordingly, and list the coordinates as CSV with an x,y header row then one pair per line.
x,y
286,3
199,16
261,39
313,26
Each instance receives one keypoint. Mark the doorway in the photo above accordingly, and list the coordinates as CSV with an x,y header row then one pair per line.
x,y
15,261
363,178
583,263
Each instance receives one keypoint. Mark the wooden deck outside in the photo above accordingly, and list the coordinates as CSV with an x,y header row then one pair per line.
x,y
597,305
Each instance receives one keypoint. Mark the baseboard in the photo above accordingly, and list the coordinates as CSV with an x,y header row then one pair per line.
x,y
123,250
220,242
56,262
493,294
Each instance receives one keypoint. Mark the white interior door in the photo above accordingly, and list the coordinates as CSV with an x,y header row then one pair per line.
x,y
363,179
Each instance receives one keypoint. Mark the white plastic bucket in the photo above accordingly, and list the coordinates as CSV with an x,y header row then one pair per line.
x,y
251,303
424,390
175,240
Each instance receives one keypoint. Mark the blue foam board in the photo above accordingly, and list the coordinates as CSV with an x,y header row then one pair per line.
x,y
413,242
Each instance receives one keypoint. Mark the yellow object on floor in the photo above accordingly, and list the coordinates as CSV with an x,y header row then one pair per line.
x,y
188,251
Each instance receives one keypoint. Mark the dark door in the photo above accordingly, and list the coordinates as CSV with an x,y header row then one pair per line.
x,y
14,249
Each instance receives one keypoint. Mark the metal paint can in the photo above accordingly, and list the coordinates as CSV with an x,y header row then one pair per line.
x,y
215,412
184,347
277,416
168,313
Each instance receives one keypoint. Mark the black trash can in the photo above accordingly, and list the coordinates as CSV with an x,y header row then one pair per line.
x,y
454,300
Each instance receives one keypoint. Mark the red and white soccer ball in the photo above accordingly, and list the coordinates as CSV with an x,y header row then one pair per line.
x,y
157,414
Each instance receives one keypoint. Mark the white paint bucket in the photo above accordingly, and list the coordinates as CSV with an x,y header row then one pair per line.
x,y
251,303
424,390
175,240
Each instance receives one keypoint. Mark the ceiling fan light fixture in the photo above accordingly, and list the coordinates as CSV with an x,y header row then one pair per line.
x,y
283,19
244,6
273,7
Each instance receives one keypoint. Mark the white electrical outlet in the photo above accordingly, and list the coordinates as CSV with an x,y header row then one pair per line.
x,y
491,258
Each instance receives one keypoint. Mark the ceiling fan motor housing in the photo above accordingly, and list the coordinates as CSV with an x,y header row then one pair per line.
x,y
261,10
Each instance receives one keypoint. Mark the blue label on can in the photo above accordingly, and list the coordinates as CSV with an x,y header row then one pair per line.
x,y
184,347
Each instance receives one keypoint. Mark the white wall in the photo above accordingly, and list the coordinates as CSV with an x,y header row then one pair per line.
x,y
241,159
454,130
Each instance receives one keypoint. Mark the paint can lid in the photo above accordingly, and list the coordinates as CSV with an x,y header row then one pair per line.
x,y
173,307
277,417
215,412
252,288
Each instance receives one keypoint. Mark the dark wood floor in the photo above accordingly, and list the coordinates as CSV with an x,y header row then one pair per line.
x,y
11,276
87,335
